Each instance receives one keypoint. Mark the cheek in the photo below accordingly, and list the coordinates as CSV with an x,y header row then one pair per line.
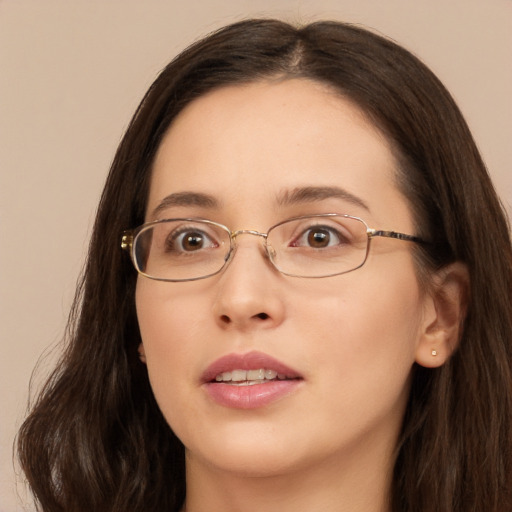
x,y
363,336
168,317
171,336
373,319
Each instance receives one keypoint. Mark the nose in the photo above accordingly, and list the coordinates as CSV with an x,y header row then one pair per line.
x,y
250,290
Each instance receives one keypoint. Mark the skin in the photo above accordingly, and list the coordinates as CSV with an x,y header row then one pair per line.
x,y
354,338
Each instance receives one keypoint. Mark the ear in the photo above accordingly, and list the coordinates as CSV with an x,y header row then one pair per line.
x,y
445,311
142,353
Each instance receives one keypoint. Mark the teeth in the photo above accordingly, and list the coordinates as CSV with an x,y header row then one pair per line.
x,y
256,374
238,375
270,374
252,376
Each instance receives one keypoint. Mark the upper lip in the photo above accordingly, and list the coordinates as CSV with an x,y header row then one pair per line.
x,y
249,361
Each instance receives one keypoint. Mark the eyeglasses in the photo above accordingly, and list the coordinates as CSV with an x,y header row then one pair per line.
x,y
311,246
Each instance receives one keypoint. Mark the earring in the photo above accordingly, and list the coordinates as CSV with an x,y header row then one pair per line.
x,y
434,353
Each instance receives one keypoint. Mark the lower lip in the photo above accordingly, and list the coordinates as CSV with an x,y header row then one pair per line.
x,y
250,397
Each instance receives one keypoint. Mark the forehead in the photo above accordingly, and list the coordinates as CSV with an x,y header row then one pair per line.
x,y
250,145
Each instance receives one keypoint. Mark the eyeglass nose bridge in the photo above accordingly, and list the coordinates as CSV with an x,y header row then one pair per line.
x,y
234,234
269,251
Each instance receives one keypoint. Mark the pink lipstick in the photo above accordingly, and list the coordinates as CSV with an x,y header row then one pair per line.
x,y
249,381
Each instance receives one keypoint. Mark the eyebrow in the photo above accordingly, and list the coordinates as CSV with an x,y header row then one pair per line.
x,y
186,199
311,194
295,196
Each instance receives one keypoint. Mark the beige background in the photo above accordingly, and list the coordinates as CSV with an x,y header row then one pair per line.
x,y
72,73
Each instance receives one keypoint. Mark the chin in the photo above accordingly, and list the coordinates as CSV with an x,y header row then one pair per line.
x,y
247,455
251,464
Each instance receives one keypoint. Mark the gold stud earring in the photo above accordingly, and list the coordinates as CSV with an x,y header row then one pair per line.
x,y
434,353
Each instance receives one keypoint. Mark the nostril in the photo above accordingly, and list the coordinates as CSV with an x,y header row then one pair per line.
x,y
225,319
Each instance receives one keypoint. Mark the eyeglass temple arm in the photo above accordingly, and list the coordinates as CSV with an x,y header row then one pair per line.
x,y
396,235
126,241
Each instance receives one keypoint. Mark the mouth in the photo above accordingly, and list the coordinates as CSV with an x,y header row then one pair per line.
x,y
255,367
249,381
250,377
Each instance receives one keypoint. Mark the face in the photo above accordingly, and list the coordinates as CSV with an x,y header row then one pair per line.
x,y
344,344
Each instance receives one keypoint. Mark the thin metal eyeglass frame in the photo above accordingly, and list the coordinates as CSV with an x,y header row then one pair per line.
x,y
129,237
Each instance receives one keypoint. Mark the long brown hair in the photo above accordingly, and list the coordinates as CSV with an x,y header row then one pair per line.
x,y
96,440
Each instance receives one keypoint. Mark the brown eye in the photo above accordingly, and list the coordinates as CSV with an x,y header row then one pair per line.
x,y
318,238
192,241
189,240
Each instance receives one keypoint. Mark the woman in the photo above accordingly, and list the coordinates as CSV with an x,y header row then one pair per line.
x,y
321,318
